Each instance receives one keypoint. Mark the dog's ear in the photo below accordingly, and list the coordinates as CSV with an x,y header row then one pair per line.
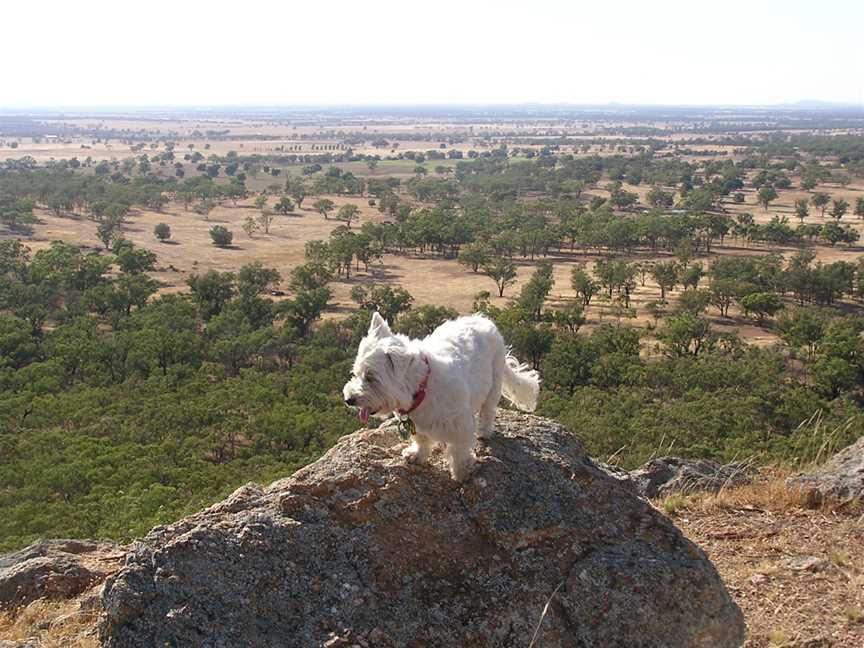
x,y
378,326
399,359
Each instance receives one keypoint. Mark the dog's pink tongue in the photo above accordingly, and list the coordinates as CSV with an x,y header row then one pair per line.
x,y
363,413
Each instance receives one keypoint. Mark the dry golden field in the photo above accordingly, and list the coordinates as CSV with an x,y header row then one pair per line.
x,y
263,136
429,278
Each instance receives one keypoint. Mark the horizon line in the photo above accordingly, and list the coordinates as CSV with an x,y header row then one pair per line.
x,y
806,104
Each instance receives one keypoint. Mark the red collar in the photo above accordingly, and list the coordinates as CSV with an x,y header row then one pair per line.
x,y
420,394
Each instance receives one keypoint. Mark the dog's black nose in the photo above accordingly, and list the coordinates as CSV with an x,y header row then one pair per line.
x,y
350,401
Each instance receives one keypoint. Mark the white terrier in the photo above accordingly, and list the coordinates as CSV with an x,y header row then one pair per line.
x,y
440,382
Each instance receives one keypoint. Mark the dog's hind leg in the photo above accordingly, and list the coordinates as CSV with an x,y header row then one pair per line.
x,y
486,422
419,450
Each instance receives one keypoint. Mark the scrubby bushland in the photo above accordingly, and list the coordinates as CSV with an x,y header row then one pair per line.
x,y
120,409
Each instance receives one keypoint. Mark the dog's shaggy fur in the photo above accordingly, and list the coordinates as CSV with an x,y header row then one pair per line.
x,y
464,366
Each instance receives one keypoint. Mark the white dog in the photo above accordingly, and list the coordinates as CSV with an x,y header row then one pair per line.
x,y
440,382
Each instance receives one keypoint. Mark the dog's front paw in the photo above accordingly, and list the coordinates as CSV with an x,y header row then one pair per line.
x,y
410,454
461,467
415,454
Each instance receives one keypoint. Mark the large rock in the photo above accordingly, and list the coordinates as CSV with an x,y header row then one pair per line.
x,y
841,478
54,569
361,549
666,475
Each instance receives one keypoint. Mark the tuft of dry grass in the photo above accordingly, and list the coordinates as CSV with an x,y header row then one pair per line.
x,y
840,558
779,638
51,624
854,614
819,441
767,491
671,504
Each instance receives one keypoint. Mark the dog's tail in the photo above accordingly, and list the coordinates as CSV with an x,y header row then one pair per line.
x,y
521,385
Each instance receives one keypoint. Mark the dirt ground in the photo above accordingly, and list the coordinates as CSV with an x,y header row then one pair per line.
x,y
796,573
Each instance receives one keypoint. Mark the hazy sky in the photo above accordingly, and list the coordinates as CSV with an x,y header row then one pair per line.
x,y
184,52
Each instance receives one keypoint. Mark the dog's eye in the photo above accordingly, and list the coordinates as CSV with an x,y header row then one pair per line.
x,y
370,378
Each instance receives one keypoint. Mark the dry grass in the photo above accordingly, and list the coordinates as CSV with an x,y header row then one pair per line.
x,y
51,624
751,532
768,491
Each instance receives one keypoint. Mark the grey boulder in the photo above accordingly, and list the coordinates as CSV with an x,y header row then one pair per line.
x,y
840,479
360,549
667,475
54,569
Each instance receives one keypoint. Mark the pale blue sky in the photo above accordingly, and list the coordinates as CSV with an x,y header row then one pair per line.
x,y
182,52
